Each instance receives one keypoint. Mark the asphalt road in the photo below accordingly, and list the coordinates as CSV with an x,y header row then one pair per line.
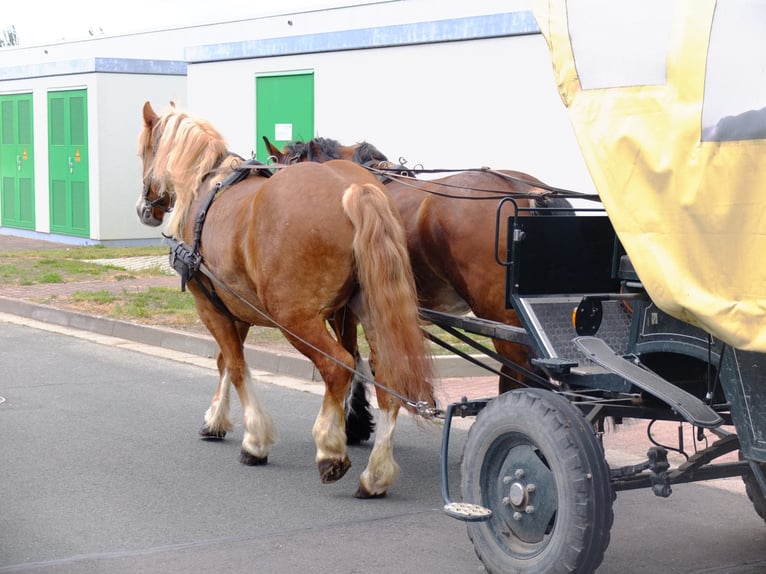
x,y
101,471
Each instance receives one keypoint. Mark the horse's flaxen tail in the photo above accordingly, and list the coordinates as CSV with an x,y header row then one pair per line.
x,y
402,361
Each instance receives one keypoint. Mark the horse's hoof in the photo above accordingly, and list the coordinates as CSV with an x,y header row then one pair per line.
x,y
364,494
332,470
250,459
208,434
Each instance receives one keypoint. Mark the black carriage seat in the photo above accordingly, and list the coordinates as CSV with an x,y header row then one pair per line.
x,y
565,254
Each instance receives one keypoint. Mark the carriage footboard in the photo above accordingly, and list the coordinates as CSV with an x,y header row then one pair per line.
x,y
685,404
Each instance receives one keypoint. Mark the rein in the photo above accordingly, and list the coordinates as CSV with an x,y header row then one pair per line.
x,y
421,407
410,181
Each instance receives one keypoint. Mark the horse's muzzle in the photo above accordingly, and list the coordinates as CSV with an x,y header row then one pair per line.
x,y
146,214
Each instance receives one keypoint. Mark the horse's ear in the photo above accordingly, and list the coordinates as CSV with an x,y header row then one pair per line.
x,y
173,104
150,118
274,151
315,152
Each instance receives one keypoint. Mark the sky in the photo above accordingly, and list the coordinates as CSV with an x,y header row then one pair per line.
x,y
45,21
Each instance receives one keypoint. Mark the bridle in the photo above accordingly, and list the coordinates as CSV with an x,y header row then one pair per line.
x,y
162,203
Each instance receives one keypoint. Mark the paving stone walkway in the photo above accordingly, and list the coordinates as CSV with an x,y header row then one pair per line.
x,y
11,243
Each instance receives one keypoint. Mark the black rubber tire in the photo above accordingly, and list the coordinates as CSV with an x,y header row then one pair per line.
x,y
754,491
534,436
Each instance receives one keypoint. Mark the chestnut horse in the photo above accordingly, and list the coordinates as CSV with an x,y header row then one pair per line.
x,y
450,224
289,251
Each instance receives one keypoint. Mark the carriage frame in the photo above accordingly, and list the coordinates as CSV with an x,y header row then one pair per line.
x,y
536,490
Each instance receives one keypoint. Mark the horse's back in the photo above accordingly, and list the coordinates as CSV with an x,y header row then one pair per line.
x,y
451,237
307,197
330,179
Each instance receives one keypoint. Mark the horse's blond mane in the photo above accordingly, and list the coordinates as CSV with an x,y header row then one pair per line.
x,y
186,150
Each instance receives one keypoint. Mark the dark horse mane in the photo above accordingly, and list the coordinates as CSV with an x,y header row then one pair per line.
x,y
323,149
316,149
366,152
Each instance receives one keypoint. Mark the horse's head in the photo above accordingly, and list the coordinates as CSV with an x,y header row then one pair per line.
x,y
156,199
177,152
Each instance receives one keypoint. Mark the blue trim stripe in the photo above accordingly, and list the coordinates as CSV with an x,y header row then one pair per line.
x,y
470,28
130,66
95,65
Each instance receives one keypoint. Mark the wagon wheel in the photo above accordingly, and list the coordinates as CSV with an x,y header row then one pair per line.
x,y
536,463
754,491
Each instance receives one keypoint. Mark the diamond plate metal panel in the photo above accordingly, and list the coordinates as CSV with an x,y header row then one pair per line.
x,y
551,320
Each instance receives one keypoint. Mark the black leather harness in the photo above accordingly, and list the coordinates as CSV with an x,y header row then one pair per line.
x,y
187,260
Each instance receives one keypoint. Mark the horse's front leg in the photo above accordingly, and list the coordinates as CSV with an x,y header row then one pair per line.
x,y
382,470
217,422
259,433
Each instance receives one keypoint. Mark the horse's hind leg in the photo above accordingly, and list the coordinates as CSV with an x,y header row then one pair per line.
x,y
334,364
382,470
359,419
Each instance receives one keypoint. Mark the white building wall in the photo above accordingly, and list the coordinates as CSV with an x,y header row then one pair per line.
x,y
114,122
460,104
431,81
115,167
265,22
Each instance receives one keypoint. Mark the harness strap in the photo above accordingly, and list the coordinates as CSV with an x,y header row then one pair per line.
x,y
215,299
187,261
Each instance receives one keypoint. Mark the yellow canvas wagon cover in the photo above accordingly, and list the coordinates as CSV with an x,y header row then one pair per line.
x,y
668,102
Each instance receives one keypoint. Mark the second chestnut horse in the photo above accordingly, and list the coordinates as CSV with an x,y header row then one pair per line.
x,y
450,225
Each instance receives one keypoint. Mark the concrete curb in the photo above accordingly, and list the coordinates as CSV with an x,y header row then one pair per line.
x,y
281,363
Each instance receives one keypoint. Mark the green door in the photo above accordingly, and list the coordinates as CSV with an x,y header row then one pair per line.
x,y
68,162
17,162
284,110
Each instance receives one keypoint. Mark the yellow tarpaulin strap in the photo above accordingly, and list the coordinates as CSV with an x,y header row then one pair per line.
x,y
672,130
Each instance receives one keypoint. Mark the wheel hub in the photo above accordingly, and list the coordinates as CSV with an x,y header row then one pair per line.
x,y
518,494
528,494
